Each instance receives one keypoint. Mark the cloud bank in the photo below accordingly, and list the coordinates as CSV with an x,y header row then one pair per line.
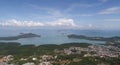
x,y
60,22
18,23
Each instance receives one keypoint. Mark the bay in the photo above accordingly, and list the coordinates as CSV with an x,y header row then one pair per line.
x,y
55,36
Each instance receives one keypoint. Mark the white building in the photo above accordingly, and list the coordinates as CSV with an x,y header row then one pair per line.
x,y
45,63
29,64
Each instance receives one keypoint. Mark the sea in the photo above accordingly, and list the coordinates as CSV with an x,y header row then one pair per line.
x,y
56,36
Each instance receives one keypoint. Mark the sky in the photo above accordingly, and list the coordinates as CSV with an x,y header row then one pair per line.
x,y
73,14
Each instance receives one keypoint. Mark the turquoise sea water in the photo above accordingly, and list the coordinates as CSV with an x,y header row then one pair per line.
x,y
55,36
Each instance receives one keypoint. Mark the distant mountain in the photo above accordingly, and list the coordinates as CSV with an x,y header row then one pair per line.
x,y
21,35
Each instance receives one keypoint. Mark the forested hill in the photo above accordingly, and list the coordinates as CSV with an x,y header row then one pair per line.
x,y
22,35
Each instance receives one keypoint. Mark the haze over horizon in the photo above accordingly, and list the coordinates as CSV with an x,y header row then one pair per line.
x,y
65,14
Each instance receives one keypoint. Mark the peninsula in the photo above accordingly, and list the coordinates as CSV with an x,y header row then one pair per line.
x,y
110,39
20,36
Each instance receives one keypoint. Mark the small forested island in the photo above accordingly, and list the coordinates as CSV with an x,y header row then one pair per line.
x,y
13,53
20,36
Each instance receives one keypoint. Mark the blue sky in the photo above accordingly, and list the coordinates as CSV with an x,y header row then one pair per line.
x,y
81,14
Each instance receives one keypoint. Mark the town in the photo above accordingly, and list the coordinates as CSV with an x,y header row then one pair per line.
x,y
66,56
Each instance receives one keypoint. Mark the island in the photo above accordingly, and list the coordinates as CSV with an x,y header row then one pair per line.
x,y
108,39
20,36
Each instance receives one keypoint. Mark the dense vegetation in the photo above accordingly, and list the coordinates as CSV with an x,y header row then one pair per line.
x,y
15,48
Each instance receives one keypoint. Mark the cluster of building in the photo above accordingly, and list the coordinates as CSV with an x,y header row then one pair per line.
x,y
44,60
96,50
92,50
6,59
74,50
105,51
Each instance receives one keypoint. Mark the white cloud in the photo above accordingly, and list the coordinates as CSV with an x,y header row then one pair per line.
x,y
77,6
50,12
111,10
55,13
90,25
112,20
60,22
15,22
85,5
